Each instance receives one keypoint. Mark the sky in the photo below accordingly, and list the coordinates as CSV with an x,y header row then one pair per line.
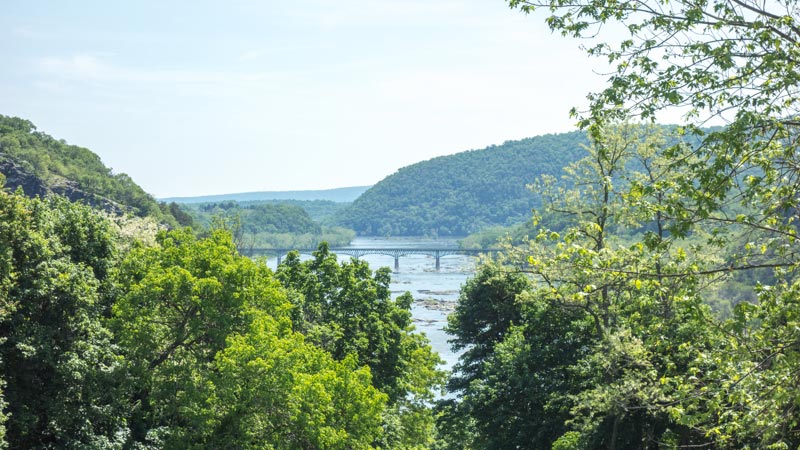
x,y
199,97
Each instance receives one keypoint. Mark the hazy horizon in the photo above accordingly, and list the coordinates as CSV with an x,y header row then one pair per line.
x,y
191,98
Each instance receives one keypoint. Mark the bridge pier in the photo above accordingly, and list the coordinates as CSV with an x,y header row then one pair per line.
x,y
396,263
279,259
437,259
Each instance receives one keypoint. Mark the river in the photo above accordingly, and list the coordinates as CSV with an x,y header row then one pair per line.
x,y
435,292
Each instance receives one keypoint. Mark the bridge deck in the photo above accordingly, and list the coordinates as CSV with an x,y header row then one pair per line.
x,y
396,253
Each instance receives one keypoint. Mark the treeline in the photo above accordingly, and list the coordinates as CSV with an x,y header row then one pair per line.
x,y
258,218
110,342
599,332
55,162
460,194
270,224
321,211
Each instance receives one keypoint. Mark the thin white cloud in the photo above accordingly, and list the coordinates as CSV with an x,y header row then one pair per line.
x,y
30,33
251,55
87,67
53,87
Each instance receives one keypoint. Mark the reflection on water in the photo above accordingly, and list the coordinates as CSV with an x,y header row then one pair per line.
x,y
435,292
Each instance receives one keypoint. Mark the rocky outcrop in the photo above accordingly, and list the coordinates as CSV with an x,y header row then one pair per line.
x,y
18,176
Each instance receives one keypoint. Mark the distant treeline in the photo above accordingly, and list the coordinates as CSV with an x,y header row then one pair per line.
x,y
321,211
276,224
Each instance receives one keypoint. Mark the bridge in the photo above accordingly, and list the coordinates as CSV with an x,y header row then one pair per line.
x,y
396,253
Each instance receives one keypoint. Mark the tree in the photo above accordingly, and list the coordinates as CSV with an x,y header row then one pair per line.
x,y
183,218
213,361
57,359
347,310
274,390
716,58
735,61
487,309
593,347
517,350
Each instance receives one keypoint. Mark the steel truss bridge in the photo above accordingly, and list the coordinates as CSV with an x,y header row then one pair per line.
x,y
395,253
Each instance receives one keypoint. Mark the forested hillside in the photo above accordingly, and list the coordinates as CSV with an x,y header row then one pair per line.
x,y
321,211
459,194
261,217
41,164
271,224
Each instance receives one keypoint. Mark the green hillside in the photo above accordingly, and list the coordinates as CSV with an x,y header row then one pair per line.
x,y
321,211
41,164
459,194
267,224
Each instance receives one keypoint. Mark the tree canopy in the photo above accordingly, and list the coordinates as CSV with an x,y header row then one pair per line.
x,y
270,224
348,310
108,342
599,334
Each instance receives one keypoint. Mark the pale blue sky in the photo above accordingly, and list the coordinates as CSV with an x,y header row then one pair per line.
x,y
200,97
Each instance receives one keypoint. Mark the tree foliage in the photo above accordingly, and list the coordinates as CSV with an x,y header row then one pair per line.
x,y
734,62
184,343
268,224
214,360
347,310
611,342
735,59
57,357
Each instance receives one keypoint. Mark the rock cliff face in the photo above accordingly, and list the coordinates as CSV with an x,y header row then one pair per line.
x,y
18,176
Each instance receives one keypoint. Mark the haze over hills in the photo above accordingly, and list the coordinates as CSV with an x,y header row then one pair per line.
x,y
340,195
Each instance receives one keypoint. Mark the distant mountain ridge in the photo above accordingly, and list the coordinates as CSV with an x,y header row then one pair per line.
x,y
460,194
339,195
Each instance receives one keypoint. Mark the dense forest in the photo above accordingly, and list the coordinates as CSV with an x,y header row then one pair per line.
x,y
593,330
269,218
320,211
625,324
180,342
271,224
460,194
